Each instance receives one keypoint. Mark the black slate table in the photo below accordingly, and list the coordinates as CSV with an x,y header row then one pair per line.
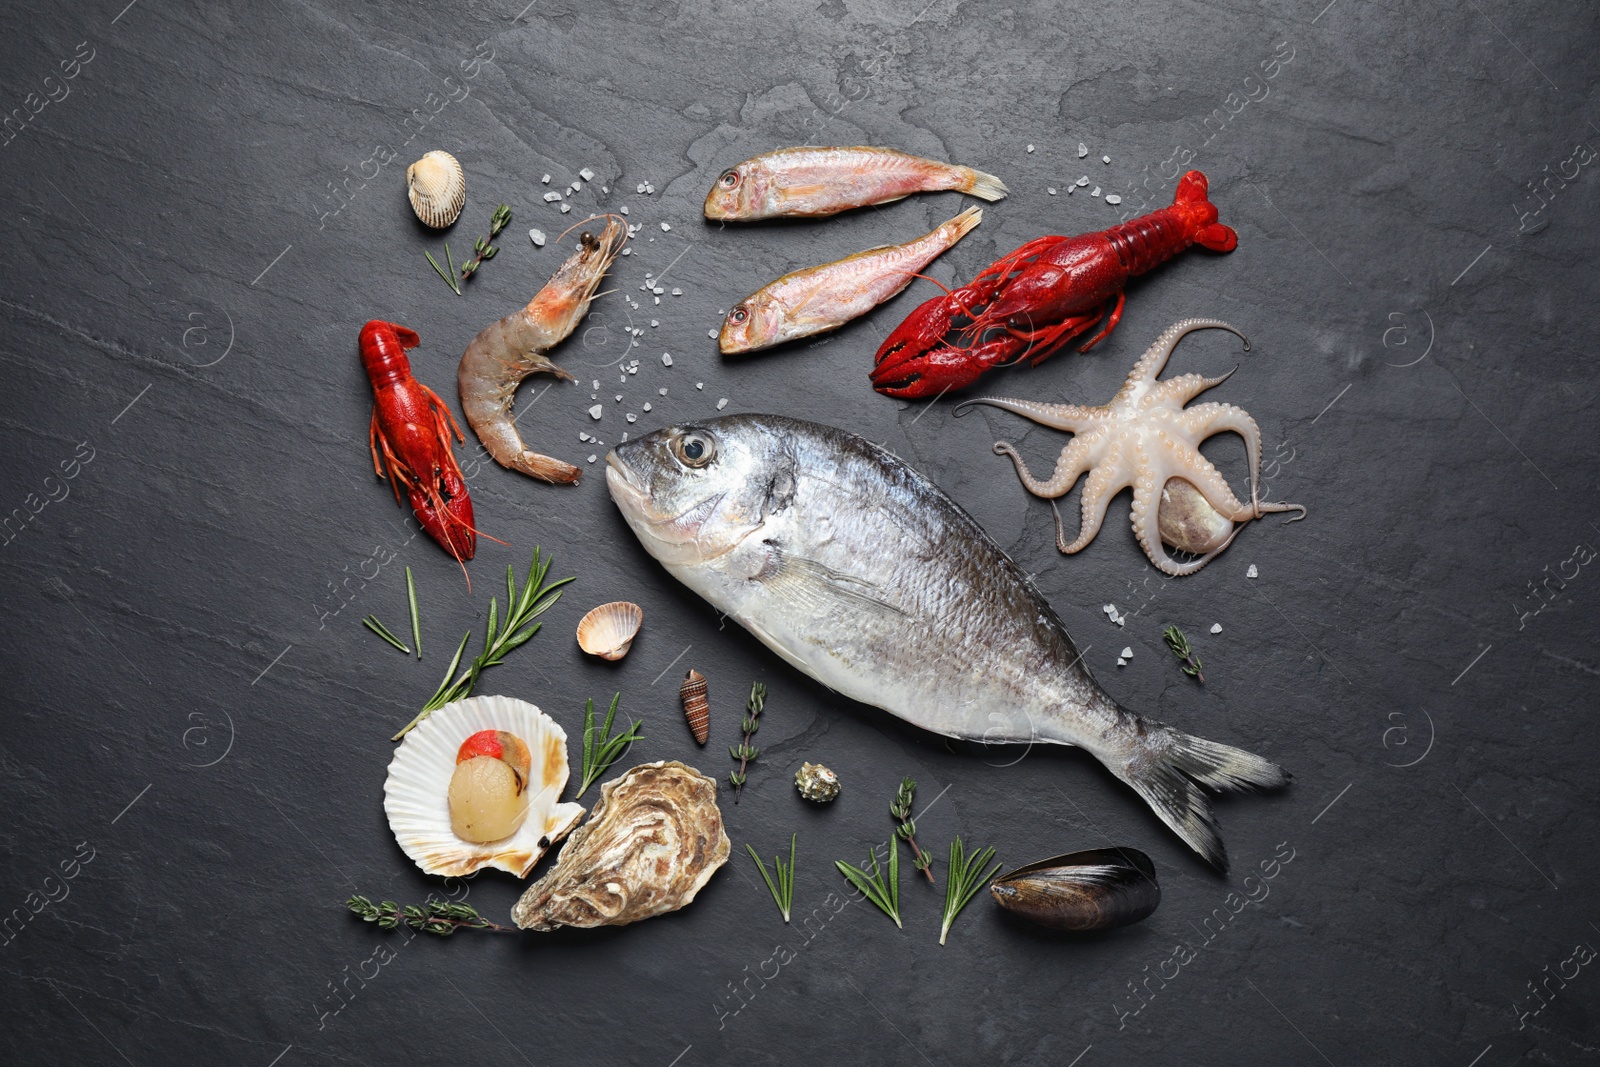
x,y
204,204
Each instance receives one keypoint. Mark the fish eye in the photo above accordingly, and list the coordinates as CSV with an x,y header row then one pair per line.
x,y
729,179
694,449
738,315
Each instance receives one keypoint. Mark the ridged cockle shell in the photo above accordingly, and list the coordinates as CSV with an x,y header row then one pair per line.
x,y
653,840
437,188
608,631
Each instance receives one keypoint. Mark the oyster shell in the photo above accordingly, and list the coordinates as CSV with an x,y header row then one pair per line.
x,y
608,631
1097,889
817,783
416,794
437,188
651,842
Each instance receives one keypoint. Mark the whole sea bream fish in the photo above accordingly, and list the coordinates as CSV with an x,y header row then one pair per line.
x,y
863,574
816,182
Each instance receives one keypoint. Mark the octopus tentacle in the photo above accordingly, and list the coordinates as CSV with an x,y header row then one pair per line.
x,y
1146,527
1076,458
1176,392
1204,420
1074,418
1154,360
1105,482
1186,461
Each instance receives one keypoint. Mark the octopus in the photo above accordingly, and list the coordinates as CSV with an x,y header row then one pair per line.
x,y
1147,439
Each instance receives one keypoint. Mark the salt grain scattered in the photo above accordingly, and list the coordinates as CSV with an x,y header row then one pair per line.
x,y
1083,149
586,174
654,323
619,398
596,411
676,291
1083,180
1095,191
1252,572
666,226
1121,662
647,405
658,300
1216,627
722,403
624,209
662,390
1105,159
592,457
537,237
711,333
1051,190
1030,148
627,252
666,361
565,208
1127,653
574,187
551,197
699,385
1113,198
641,187
582,436
632,417
597,383
545,179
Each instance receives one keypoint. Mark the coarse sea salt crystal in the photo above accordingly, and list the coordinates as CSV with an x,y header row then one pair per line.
x,y
624,209
537,237
551,197
1252,572
632,417
1095,191
1030,148
699,385
654,323
1105,159
722,403
1083,149
582,436
592,457
627,251
1083,180
662,390
596,411
658,300
1127,653
1113,198
1051,190
1108,609
586,174
619,398
647,405
640,187
565,208
711,333
676,291
666,226
1216,627
1121,662
545,179
597,383
666,361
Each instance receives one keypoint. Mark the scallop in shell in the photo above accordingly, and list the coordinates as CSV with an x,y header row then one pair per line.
x,y
608,631
653,840
416,795
1098,889
437,188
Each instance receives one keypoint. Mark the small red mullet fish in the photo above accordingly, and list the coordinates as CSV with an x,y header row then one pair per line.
x,y
818,299
814,182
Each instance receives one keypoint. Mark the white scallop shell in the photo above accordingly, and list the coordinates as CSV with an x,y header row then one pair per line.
x,y
416,795
437,188
608,631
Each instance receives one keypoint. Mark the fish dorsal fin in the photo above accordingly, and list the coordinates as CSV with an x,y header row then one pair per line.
x,y
817,588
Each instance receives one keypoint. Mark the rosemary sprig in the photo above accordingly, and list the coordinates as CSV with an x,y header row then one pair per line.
x,y
485,249
416,620
901,810
1181,648
744,751
601,750
447,275
783,890
435,917
371,622
963,880
882,891
521,609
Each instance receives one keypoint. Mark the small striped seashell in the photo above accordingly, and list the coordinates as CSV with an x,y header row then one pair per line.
x,y
696,708
609,629
437,188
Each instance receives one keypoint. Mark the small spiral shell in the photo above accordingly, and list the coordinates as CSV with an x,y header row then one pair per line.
x,y
695,706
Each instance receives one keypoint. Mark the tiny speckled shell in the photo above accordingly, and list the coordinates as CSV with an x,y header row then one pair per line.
x,y
608,631
416,794
437,188
817,783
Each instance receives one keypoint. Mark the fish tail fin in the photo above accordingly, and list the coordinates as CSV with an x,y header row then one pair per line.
x,y
965,223
984,186
1172,773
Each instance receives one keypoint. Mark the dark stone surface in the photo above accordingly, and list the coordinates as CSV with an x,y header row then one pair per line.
x,y
191,695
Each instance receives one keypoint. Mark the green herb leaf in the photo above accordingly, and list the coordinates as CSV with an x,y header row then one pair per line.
x,y
783,891
882,891
600,749
416,620
963,879
371,622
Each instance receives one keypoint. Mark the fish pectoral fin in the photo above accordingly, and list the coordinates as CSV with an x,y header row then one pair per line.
x,y
816,587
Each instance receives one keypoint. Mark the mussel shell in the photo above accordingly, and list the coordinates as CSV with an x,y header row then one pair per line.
x,y
1098,889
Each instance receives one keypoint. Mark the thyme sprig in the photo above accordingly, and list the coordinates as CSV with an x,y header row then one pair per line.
x,y
601,750
371,622
1180,647
963,879
449,276
783,889
522,608
435,917
416,620
485,249
882,890
901,810
744,751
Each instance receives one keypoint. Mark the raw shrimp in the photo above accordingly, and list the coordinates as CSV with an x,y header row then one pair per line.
x,y
508,351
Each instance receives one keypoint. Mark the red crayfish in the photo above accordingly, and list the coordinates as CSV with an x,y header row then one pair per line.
x,y
1033,301
410,435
